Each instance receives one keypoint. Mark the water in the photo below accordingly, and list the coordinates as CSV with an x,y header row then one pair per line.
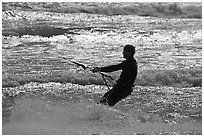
x,y
48,111
159,46
54,108
32,116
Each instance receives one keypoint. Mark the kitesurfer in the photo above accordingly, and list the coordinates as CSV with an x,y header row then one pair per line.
x,y
124,85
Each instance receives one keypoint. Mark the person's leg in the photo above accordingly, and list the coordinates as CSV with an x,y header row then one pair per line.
x,y
115,98
105,98
118,95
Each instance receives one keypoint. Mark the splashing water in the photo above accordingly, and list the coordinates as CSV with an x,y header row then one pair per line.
x,y
34,116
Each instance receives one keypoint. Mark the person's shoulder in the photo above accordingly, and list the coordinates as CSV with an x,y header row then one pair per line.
x,y
134,60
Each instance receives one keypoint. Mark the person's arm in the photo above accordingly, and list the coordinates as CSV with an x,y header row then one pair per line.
x,y
112,68
109,68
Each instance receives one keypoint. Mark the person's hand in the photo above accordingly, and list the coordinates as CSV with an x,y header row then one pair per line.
x,y
95,69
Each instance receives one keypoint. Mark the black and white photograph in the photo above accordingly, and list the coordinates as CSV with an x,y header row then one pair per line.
x,y
101,67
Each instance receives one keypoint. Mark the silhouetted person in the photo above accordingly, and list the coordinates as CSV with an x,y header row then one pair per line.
x,y
124,85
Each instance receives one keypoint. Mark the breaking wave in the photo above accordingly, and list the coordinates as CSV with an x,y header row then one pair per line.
x,y
183,78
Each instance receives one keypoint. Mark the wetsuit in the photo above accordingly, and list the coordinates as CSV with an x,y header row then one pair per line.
x,y
124,85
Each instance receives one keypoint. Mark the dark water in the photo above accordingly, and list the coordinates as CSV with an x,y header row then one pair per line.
x,y
54,108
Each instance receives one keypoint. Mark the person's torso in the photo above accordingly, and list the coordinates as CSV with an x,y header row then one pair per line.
x,y
129,72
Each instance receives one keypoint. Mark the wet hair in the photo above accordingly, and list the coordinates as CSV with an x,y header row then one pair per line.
x,y
129,48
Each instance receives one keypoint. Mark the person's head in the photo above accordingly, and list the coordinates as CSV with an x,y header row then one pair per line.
x,y
128,51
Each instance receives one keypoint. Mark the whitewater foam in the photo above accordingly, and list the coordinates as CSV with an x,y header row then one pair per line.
x,y
33,116
37,117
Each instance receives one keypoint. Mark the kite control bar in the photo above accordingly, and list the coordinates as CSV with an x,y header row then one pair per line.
x,y
84,67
